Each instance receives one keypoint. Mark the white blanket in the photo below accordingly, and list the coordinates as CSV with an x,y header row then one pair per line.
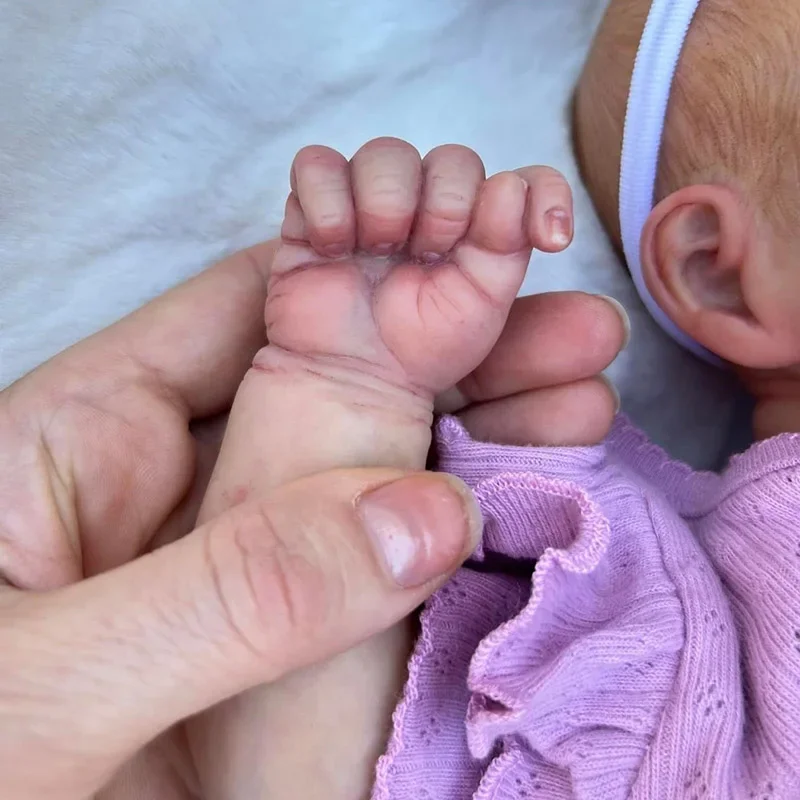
x,y
140,141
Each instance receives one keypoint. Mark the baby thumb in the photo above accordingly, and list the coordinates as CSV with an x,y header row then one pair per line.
x,y
265,589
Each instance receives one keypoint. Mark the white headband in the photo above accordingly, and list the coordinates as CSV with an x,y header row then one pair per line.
x,y
659,53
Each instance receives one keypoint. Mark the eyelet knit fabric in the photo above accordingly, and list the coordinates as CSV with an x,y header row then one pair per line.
x,y
628,628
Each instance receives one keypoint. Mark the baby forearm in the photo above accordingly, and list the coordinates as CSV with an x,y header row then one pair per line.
x,y
295,416
393,282
316,735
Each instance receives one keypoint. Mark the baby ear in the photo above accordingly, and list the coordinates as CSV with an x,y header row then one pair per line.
x,y
710,268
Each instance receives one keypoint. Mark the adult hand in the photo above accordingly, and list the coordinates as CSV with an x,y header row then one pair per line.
x,y
102,458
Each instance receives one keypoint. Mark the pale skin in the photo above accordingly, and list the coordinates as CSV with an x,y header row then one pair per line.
x,y
119,619
717,253
112,630
393,282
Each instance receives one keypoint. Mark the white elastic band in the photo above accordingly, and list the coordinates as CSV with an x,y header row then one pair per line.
x,y
653,73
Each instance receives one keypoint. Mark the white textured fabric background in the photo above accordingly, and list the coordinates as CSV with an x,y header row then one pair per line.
x,y
139,142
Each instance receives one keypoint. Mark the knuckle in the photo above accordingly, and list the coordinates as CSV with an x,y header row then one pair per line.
x,y
448,206
447,219
328,189
548,178
316,154
551,173
458,150
330,196
390,143
331,212
456,158
269,587
332,223
389,192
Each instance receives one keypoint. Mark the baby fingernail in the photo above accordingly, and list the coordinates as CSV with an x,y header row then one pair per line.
x,y
623,315
422,527
559,226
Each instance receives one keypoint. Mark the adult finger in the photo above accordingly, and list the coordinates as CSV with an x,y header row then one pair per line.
x,y
550,340
192,345
576,414
94,671
208,435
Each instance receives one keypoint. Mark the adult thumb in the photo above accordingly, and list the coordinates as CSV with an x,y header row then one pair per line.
x,y
93,672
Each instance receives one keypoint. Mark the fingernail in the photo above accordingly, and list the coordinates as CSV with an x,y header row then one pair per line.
x,y
422,527
385,249
614,392
335,250
559,226
623,315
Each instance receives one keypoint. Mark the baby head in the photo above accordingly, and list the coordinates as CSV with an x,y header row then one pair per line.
x,y
720,251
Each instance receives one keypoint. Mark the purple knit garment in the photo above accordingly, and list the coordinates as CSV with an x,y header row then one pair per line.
x,y
653,652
